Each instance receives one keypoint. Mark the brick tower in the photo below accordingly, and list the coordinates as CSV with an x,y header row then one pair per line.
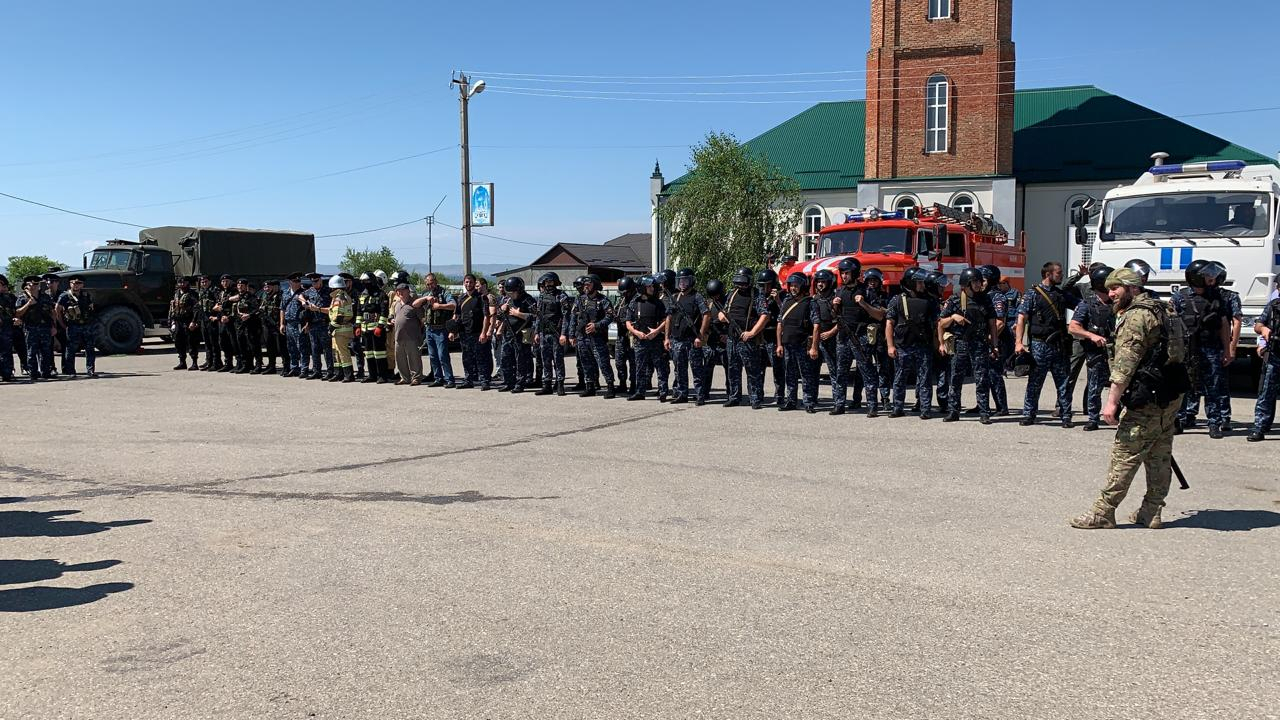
x,y
940,89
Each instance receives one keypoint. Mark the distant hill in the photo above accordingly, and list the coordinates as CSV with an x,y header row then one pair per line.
x,y
454,271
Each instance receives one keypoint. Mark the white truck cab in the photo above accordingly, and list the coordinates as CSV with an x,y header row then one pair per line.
x,y
1225,211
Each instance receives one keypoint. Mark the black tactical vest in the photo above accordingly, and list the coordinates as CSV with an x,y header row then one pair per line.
x,y
793,319
741,310
686,320
649,313
1202,315
550,314
1098,319
471,312
979,312
1047,317
590,310
826,311
912,328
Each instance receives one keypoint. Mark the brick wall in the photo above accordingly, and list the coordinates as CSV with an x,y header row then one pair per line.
x,y
974,50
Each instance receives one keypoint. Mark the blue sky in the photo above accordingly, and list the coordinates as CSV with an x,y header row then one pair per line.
x,y
124,109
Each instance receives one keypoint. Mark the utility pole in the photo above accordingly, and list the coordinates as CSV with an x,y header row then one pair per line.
x,y
465,90
431,221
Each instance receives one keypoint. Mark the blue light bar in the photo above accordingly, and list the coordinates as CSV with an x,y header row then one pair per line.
x,y
1204,167
872,214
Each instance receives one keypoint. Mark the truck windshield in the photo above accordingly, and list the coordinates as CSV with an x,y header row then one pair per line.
x,y
1194,214
841,242
887,240
111,259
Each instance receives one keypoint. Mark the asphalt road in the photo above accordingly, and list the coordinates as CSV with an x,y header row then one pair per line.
x,y
190,545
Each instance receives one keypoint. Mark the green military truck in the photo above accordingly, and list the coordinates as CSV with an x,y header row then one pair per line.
x,y
132,282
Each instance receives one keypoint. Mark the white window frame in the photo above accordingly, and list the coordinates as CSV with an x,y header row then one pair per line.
x,y
940,9
902,200
974,207
937,114
814,219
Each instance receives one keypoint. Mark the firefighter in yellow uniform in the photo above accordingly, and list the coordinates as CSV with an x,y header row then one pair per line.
x,y
341,319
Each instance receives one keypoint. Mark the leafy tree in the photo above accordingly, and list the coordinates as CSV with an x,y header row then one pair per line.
x,y
735,209
362,261
21,266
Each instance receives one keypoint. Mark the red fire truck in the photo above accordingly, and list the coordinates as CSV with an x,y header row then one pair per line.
x,y
935,238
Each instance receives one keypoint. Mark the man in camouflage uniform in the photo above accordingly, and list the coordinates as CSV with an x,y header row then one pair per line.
x,y
248,329
1264,410
75,312
183,309
297,344
36,309
589,321
7,305
1092,325
206,299
624,355
1043,312
911,321
1145,433
226,328
551,332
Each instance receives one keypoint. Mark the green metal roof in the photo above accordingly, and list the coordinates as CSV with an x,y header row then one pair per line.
x,y
1062,134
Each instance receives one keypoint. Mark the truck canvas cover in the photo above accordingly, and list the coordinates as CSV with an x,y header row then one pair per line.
x,y
254,253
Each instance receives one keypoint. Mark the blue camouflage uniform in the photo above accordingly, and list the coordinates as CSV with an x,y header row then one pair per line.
x,y
551,324
1204,361
1049,345
624,354
78,312
826,312
37,327
318,330
8,305
796,318
297,342
973,348
1264,410
855,351
593,348
744,307
687,311
647,313
995,368
661,362
517,356
1096,316
914,342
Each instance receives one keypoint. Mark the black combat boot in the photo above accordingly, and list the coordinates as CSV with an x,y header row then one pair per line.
x,y
732,403
517,388
953,416
1256,436
837,409
984,419
544,390
336,376
1215,431
637,395
560,388
1091,426
610,392
873,411
182,364
1027,421
194,364
348,376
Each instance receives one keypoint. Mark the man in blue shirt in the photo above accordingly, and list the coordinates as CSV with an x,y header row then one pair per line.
x,y
297,343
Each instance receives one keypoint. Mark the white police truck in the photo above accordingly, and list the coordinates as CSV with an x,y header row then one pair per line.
x,y
1225,211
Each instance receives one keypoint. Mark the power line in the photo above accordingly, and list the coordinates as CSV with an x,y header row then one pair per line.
x,y
498,237
372,230
72,212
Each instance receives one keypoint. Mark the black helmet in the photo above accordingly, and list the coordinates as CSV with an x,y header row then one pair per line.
x,y
1022,364
850,265
826,276
648,282
766,278
515,283
715,288
685,279
667,279
970,275
1141,267
938,281
873,275
626,285
798,278
578,281
1222,277
991,274
549,277
910,276
1200,270
1098,278
594,280
742,277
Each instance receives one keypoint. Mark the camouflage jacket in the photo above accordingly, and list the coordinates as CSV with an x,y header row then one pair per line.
x,y
182,308
1139,327
206,298
269,308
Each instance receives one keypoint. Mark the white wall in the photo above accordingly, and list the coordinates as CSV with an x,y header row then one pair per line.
x,y
1043,215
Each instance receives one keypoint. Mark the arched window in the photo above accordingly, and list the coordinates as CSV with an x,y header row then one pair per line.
x,y
905,202
937,106
813,222
964,202
939,9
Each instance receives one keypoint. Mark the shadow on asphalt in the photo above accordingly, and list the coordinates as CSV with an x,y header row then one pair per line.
x,y
1227,520
29,523
37,598
17,572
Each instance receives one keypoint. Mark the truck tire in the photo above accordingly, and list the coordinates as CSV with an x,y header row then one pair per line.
x,y
119,331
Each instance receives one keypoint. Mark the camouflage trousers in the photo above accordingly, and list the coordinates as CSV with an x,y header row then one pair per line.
x,y
39,351
80,338
800,367
593,356
1264,411
975,356
743,356
551,355
1143,438
1049,359
1098,378
920,361
624,357
829,353
855,357
1208,378
298,344
686,358
647,353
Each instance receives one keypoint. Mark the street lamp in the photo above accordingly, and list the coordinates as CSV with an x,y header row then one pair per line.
x,y
466,90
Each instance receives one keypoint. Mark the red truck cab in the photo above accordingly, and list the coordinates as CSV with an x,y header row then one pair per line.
x,y
935,238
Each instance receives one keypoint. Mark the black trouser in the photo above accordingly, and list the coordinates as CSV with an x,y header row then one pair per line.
x,y
273,341
624,357
248,332
186,341
779,365
20,347
227,341
1073,369
209,334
